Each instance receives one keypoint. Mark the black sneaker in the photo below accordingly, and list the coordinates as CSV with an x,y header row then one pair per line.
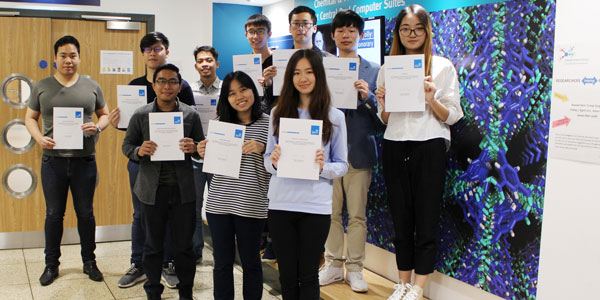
x,y
92,271
50,273
169,277
134,275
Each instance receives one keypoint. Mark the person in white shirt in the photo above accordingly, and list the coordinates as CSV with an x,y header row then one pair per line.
x,y
414,153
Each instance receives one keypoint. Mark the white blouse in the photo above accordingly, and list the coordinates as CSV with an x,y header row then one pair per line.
x,y
425,125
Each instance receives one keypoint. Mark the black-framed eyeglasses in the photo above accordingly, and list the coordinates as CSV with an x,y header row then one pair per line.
x,y
260,31
301,25
405,31
156,49
162,81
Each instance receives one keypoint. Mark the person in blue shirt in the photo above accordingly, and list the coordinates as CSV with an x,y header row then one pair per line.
x,y
346,30
299,209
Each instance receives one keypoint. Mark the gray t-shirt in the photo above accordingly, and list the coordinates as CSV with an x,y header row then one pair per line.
x,y
49,93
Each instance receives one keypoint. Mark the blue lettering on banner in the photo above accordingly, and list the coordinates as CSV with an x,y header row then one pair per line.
x,y
589,80
213,102
142,93
257,60
418,63
352,66
177,120
238,133
369,34
314,130
362,44
78,115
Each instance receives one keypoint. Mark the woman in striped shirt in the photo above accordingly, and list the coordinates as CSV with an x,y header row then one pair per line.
x,y
236,208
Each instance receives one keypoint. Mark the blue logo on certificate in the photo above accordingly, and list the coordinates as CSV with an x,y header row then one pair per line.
x,y
352,66
238,133
257,60
213,102
78,115
177,120
142,93
418,63
314,130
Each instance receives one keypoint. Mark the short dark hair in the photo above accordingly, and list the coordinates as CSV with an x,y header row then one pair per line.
x,y
67,39
171,67
303,9
258,20
153,38
225,111
348,18
210,49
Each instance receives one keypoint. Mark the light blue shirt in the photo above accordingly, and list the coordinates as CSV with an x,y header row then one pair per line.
x,y
309,196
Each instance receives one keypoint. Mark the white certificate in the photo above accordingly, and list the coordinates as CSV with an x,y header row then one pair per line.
x,y
206,106
129,98
166,130
223,154
251,65
341,73
66,123
299,140
280,61
404,87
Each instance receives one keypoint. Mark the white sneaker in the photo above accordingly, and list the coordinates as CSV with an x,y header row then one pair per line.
x,y
415,293
356,282
330,274
400,291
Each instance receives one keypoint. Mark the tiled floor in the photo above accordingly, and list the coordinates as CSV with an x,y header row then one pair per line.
x,y
21,268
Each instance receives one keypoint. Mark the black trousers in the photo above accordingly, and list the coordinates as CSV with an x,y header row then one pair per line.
x,y
414,173
299,240
183,216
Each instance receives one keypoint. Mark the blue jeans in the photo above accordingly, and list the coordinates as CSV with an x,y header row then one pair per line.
x,y
138,237
200,179
59,174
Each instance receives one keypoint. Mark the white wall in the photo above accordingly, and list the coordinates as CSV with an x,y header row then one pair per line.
x,y
278,15
187,23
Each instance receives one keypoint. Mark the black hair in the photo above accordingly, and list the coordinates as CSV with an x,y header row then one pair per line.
x,y
225,111
171,67
303,9
348,18
152,38
210,49
67,39
258,20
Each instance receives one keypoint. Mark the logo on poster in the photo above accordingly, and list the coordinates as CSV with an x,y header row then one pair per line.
x,y
238,133
142,93
78,115
257,60
177,120
213,102
418,63
314,130
352,66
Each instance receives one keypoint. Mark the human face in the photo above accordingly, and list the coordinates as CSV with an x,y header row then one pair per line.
x,y
240,97
206,64
413,43
167,85
302,28
67,60
304,77
258,36
154,59
346,38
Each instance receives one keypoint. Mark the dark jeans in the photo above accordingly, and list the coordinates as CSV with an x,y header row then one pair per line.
x,y
414,173
299,240
201,179
137,227
59,174
225,231
155,217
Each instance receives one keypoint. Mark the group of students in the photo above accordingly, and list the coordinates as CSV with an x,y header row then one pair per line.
x,y
304,216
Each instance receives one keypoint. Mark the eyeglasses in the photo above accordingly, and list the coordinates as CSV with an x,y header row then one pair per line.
x,y
301,25
156,49
260,31
163,82
419,31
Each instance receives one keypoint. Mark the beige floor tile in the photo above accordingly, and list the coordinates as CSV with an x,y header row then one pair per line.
x,y
13,274
113,249
11,257
124,293
34,255
68,252
16,292
68,269
113,265
203,280
75,289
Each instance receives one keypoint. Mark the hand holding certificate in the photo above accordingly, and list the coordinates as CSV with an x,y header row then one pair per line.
x,y
129,98
404,77
166,130
223,154
299,140
67,132
251,65
341,74
280,61
206,106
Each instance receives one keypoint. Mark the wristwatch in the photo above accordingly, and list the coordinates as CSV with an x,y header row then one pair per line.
x,y
99,129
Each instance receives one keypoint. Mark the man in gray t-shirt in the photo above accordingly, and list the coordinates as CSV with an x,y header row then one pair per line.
x,y
65,169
